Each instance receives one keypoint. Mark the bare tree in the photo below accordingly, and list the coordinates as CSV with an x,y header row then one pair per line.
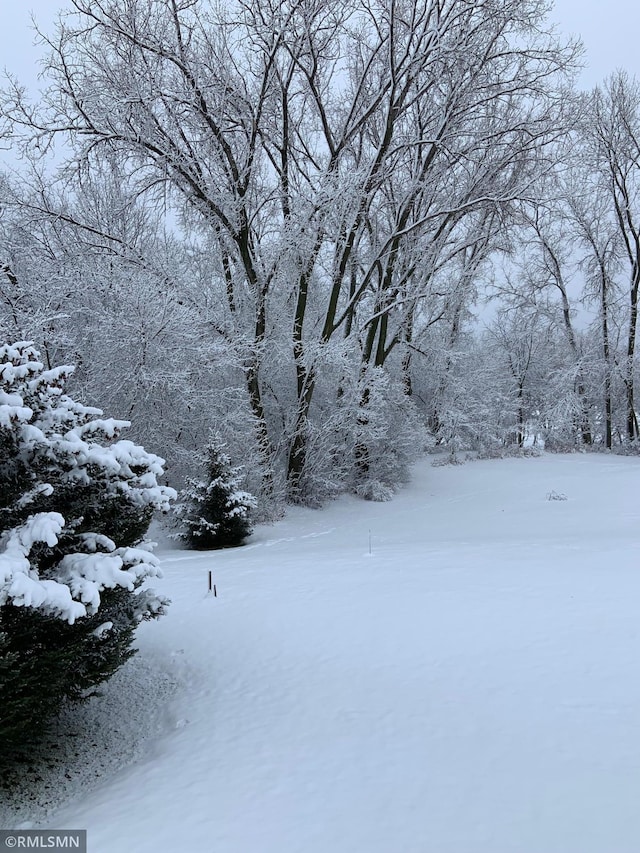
x,y
337,157
522,339
612,129
547,266
97,282
599,260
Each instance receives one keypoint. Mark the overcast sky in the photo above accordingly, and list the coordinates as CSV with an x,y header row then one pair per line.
x,y
609,29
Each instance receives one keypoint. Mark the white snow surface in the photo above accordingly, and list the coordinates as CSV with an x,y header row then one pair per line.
x,y
455,671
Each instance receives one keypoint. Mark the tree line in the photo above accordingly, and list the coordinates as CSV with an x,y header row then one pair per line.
x,y
277,224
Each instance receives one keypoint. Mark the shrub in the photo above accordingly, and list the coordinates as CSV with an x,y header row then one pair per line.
x,y
75,504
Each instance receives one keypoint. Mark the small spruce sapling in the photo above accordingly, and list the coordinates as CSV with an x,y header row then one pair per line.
x,y
215,512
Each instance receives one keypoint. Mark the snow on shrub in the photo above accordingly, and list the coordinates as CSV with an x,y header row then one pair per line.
x,y
388,436
75,504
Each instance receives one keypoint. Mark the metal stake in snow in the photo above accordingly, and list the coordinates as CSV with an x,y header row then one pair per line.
x,y
369,542
212,586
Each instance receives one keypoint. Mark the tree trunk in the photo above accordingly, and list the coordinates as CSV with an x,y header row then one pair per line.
x,y
298,450
583,425
632,421
361,452
520,434
606,352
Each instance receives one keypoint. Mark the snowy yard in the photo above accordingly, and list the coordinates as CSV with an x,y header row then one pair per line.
x,y
452,672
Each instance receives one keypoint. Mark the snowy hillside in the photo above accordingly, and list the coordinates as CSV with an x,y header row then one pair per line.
x,y
452,672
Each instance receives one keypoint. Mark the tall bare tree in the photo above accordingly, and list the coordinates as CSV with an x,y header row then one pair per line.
x,y
337,156
612,129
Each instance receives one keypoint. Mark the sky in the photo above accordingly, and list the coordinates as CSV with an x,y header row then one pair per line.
x,y
609,31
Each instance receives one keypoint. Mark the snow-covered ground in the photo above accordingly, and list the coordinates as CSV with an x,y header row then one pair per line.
x,y
452,672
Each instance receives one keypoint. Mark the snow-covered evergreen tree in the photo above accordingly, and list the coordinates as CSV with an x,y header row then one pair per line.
x,y
75,504
215,512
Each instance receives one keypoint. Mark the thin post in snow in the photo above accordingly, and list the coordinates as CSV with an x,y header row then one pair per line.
x,y
369,541
212,586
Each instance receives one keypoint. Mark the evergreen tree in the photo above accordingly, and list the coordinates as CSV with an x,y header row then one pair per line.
x,y
75,504
215,511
